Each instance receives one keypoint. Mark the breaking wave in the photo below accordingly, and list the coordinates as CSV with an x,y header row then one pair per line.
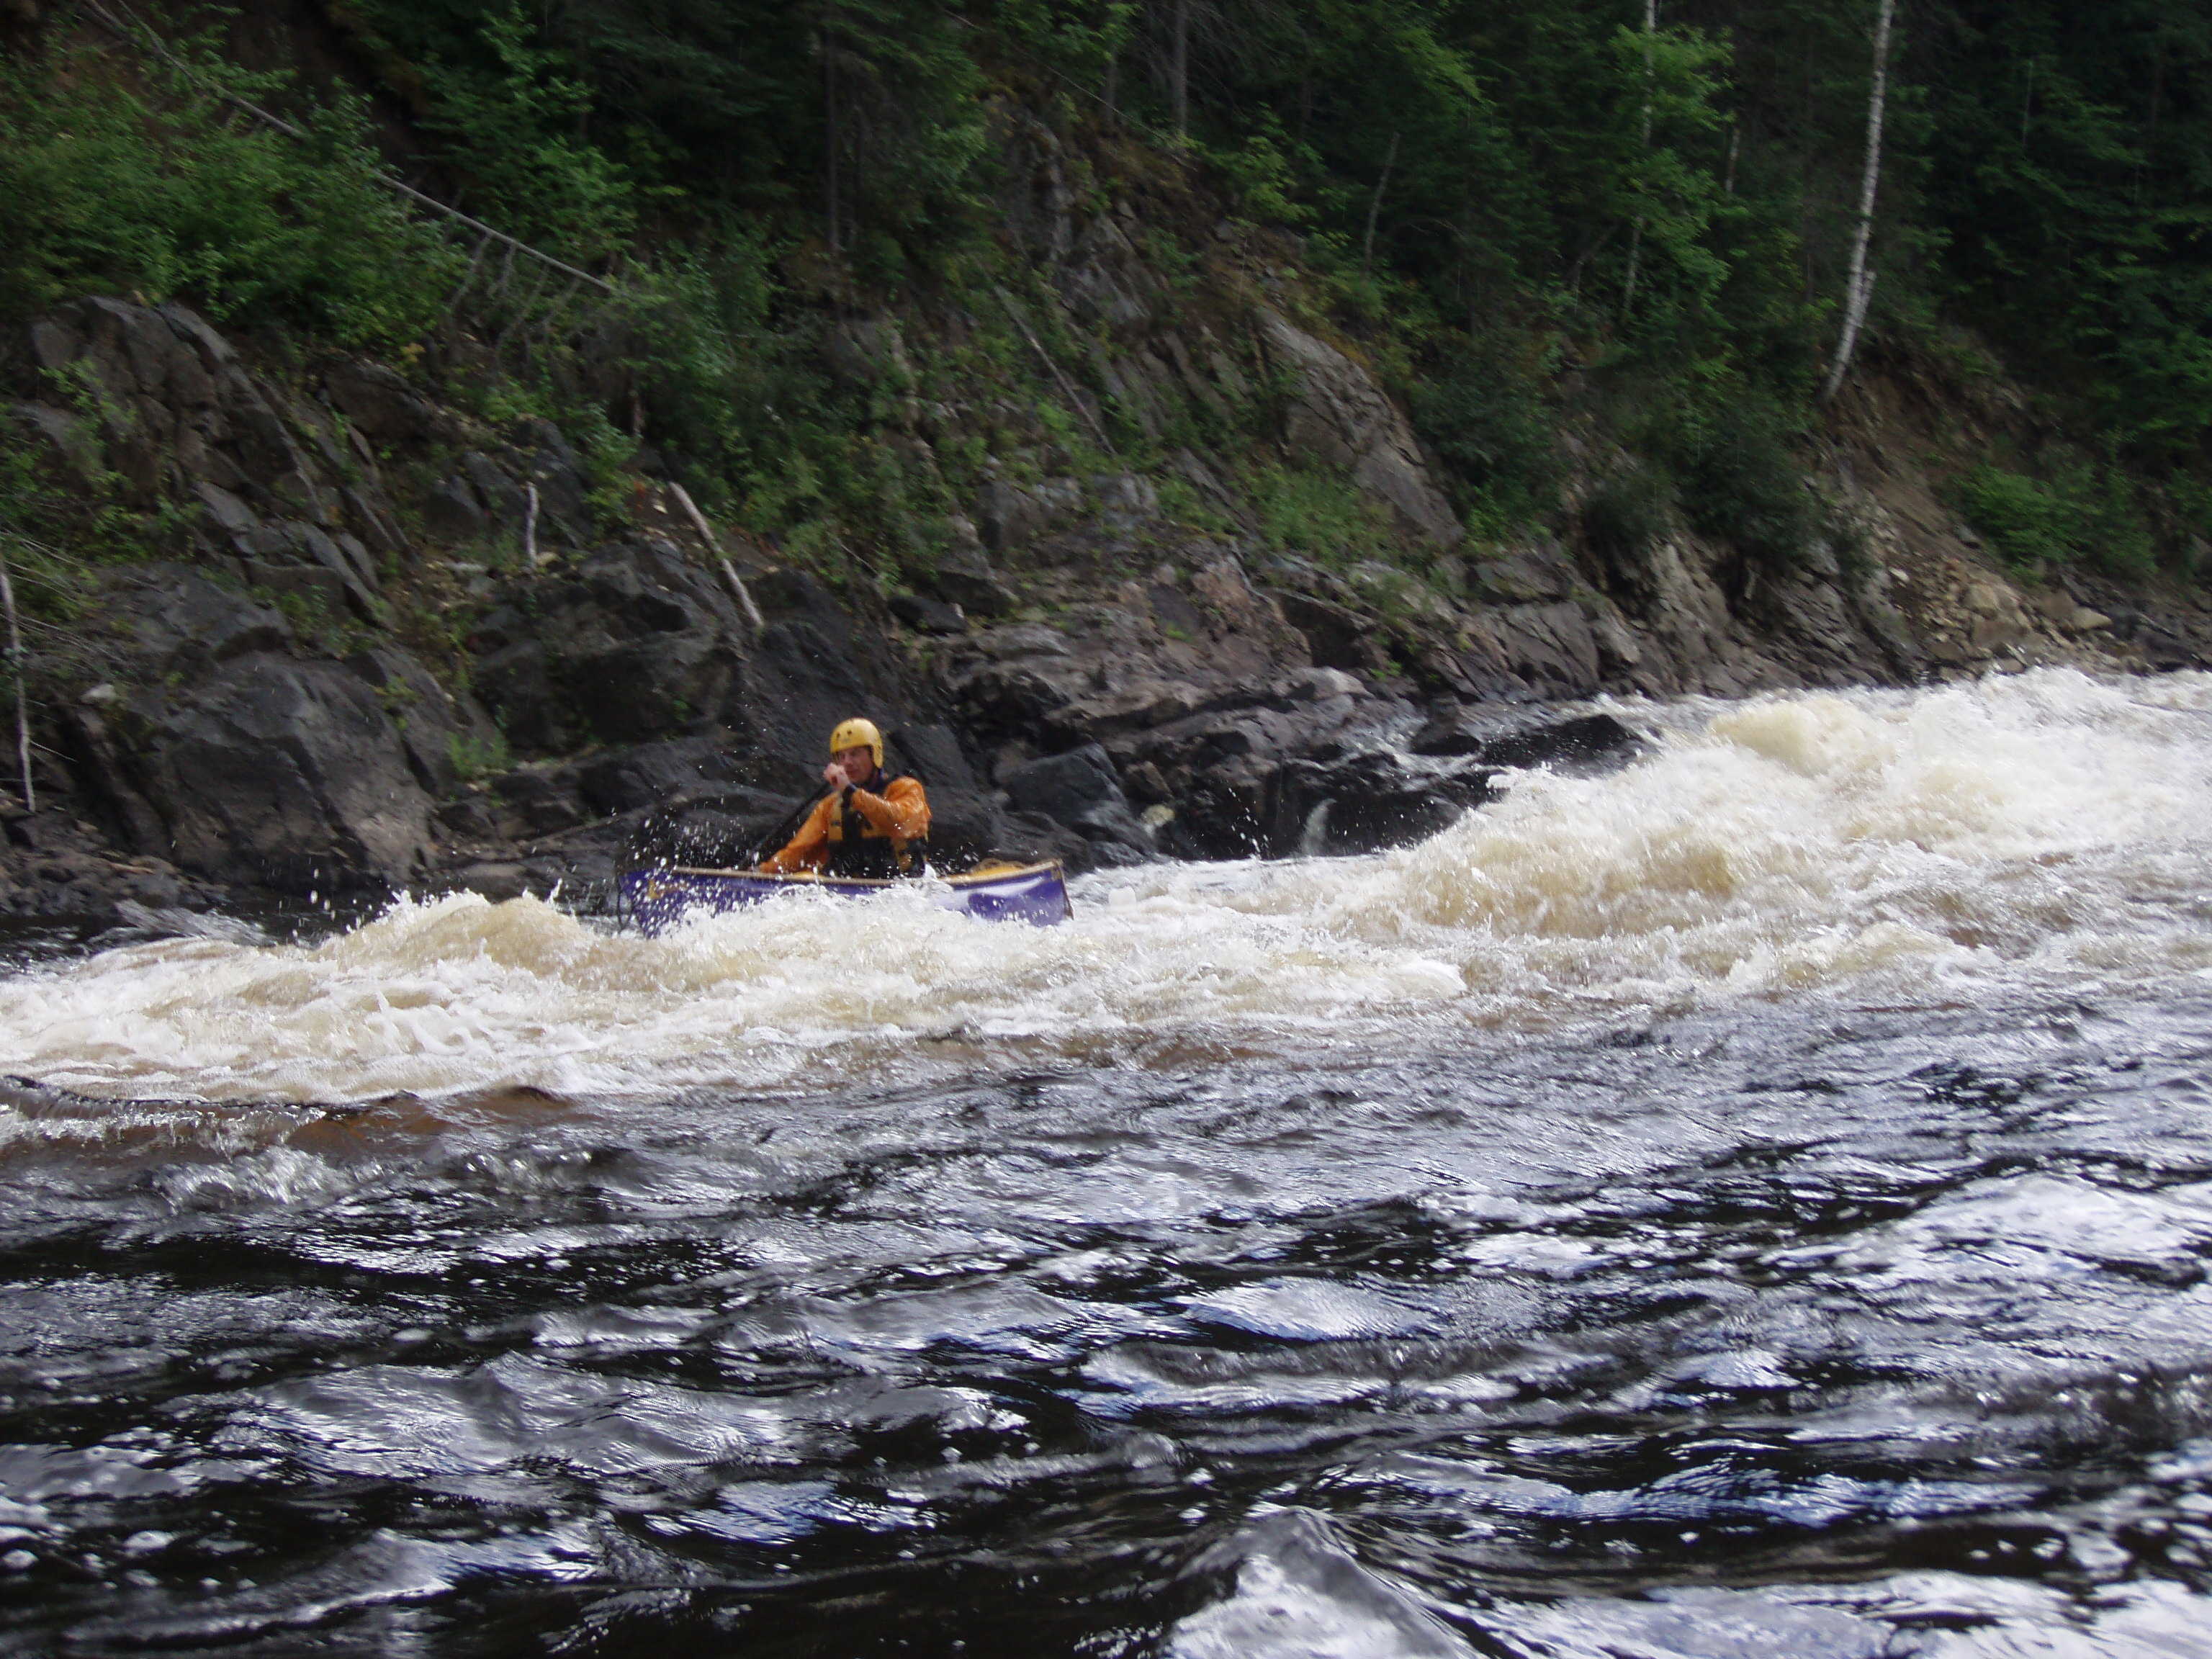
x,y
1891,847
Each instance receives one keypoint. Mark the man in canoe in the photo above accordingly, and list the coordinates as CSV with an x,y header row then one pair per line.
x,y
868,822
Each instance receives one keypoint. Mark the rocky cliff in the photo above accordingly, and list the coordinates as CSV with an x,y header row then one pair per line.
x,y
374,640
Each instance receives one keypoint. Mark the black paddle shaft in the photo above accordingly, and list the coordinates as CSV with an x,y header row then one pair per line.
x,y
773,841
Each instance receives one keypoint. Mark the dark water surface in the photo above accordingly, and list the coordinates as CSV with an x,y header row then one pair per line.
x,y
1756,1206
1863,1333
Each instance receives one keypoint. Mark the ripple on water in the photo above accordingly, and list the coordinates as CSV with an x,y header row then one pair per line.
x,y
2045,829
1756,1203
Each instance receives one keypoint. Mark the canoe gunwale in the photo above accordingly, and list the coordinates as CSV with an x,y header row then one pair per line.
x,y
657,897
800,880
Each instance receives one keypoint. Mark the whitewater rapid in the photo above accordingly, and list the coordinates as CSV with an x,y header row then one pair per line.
x,y
1913,848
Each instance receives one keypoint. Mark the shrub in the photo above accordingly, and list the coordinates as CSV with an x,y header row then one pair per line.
x,y
2080,513
1738,482
1628,513
1485,414
1322,515
176,194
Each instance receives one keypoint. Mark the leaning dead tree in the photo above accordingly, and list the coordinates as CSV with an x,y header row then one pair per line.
x,y
12,657
1858,281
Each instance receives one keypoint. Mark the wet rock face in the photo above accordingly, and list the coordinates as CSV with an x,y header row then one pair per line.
x,y
636,645
1340,418
159,405
1502,738
287,774
1082,791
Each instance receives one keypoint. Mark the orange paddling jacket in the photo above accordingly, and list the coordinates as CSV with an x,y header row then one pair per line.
x,y
879,832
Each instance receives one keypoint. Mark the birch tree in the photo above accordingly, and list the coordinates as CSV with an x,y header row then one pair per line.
x,y
1858,281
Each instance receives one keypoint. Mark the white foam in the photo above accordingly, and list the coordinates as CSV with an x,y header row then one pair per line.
x,y
1893,845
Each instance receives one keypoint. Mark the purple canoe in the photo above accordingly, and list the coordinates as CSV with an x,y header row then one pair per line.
x,y
661,897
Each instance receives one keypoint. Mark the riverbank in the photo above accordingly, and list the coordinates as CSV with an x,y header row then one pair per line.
x,y
395,649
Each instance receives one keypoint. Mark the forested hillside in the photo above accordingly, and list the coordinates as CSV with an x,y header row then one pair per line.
x,y
1527,347
1531,214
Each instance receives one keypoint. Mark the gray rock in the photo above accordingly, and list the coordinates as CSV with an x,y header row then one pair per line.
x,y
927,615
965,578
933,754
540,801
452,514
178,622
652,774
1126,494
68,445
551,462
431,722
1340,417
1081,790
289,774
1012,515
324,591
230,515
639,644
1064,787
1499,738
1368,803
501,495
382,407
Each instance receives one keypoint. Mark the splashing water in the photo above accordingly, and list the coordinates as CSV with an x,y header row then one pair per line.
x,y
1906,846
1758,1202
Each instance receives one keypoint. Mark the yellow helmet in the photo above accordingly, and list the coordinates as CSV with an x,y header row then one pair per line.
x,y
855,734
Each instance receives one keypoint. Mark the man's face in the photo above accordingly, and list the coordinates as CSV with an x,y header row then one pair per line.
x,y
858,761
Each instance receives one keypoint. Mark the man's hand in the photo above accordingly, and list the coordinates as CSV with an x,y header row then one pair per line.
x,y
835,776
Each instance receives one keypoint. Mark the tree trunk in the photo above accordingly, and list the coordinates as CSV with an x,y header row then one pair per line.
x,y
1635,238
1375,207
1858,282
1179,67
830,133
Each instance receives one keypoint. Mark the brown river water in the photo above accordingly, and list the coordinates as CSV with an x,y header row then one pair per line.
x,y
1756,1203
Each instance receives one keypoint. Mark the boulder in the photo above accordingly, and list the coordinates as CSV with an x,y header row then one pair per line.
x,y
452,514
1340,417
178,622
1369,802
637,645
382,407
964,578
1012,515
815,663
287,774
434,725
1549,649
540,800
927,615
1081,790
1502,738
653,775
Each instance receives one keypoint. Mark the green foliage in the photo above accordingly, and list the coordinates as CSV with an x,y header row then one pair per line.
x,y
1737,479
1558,214
476,759
2082,512
1485,414
2069,155
1321,514
509,116
173,193
1262,183
1628,513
